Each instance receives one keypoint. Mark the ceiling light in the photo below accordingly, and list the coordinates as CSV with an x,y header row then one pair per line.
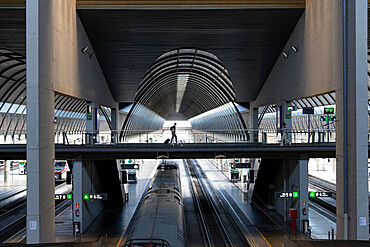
x,y
295,49
285,54
83,50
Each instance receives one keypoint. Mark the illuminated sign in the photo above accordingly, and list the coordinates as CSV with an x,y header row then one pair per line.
x,y
89,117
63,196
325,118
320,194
95,196
289,194
329,110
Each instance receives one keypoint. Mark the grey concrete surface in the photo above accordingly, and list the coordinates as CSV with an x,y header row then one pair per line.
x,y
75,73
357,119
40,116
317,65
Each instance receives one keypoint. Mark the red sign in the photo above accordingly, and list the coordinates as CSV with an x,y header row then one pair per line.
x,y
77,205
304,203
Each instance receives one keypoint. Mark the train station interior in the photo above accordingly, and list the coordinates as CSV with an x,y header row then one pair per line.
x,y
184,123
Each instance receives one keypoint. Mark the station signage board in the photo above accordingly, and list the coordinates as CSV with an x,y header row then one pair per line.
x,y
308,110
313,194
329,110
95,196
287,194
63,196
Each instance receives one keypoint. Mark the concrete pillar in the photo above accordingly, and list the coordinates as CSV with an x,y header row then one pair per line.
x,y
353,224
254,124
40,117
303,192
286,117
115,124
77,207
6,167
91,122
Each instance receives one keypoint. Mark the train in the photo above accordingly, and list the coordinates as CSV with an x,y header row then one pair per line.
x,y
160,218
61,168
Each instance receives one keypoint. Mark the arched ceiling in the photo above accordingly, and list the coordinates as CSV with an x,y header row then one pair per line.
x,y
189,81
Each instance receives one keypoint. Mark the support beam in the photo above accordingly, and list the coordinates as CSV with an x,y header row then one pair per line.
x,y
352,119
40,115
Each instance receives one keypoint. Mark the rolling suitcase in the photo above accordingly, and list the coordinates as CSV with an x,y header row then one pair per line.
x,y
167,141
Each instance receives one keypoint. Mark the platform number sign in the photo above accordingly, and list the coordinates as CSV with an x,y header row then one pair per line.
x,y
313,194
95,196
63,196
289,194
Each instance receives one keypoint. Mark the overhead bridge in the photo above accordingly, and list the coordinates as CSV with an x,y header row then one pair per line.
x,y
178,151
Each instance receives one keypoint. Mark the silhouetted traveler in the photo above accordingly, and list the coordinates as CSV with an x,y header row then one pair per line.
x,y
173,131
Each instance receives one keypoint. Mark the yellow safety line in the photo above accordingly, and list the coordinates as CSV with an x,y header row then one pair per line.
x,y
245,215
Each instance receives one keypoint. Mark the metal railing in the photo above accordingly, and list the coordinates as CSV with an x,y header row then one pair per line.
x,y
184,135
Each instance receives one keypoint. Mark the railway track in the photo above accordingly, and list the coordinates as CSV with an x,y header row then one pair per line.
x,y
13,216
219,227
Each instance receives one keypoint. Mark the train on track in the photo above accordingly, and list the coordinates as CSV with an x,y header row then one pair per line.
x,y
160,218
61,168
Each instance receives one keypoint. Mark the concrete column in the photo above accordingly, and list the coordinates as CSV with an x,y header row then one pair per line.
x,y
91,122
115,124
77,207
286,117
40,117
353,224
6,167
253,124
303,192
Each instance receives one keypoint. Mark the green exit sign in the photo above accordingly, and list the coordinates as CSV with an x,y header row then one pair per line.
x,y
329,110
295,194
85,196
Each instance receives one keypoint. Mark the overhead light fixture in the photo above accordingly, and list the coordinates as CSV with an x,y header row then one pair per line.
x,y
295,49
83,50
285,54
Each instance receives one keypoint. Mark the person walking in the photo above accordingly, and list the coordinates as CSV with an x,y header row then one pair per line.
x,y
284,135
173,131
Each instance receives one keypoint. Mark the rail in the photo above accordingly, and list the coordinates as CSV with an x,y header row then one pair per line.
x,y
184,135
